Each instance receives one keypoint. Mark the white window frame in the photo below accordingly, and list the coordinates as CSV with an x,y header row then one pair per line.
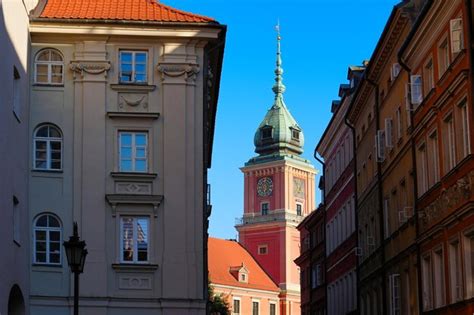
x,y
133,147
395,297
47,231
50,64
135,240
134,63
49,140
456,32
301,208
396,68
258,306
233,305
416,89
380,145
270,305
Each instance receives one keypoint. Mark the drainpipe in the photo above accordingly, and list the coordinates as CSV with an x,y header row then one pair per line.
x,y
323,201
470,31
380,195
415,192
356,207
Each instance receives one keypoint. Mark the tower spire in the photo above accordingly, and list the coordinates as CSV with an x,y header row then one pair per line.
x,y
278,87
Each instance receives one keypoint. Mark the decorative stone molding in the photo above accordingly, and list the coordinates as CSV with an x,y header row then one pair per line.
x,y
132,103
448,199
186,71
135,283
134,188
116,199
90,67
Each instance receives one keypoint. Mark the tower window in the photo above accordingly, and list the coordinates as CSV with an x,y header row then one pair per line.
x,y
266,133
262,249
299,209
264,208
295,134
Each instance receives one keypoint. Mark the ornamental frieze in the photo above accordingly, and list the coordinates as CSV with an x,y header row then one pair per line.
x,y
186,71
448,199
90,67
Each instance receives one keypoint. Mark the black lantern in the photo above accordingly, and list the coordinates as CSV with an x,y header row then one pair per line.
x,y
76,257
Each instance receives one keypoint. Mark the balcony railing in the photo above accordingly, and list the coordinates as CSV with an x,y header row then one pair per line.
x,y
276,216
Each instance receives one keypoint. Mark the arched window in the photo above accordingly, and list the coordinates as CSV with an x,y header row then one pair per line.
x,y
47,240
49,67
47,148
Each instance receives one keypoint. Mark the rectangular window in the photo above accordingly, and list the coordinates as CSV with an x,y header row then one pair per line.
x,y
438,273
455,271
395,71
299,209
469,264
134,239
389,132
133,66
255,307
449,143
422,166
133,153
380,145
236,307
399,123
264,208
466,141
386,213
272,309
428,76
262,249
395,303
457,42
16,95
427,283
416,90
443,57
433,158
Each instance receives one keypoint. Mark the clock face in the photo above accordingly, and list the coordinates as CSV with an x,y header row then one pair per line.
x,y
264,186
298,187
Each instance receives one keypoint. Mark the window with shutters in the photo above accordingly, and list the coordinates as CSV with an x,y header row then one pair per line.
x,y
457,42
416,89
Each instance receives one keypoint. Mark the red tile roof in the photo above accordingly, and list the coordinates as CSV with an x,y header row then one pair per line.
x,y
223,254
128,10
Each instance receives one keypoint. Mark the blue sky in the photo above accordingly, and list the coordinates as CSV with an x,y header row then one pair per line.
x,y
320,39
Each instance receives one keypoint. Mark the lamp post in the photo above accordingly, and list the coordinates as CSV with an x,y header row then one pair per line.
x,y
76,257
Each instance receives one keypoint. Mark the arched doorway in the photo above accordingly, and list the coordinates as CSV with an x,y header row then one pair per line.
x,y
16,303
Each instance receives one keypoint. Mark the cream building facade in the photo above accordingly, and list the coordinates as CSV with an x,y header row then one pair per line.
x,y
121,125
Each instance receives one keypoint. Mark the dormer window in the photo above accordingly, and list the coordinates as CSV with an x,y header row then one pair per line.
x,y
266,133
240,273
243,277
295,134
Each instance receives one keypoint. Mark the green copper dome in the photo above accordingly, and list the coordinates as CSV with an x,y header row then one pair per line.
x,y
278,134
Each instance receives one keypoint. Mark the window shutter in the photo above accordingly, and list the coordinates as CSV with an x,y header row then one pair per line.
x,y
456,36
380,145
389,132
416,90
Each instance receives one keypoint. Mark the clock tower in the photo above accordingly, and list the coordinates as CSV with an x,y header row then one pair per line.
x,y
279,191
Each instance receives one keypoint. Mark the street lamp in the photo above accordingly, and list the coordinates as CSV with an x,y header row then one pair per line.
x,y
76,257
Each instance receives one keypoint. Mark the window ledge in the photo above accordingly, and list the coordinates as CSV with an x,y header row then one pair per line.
x,y
132,87
134,267
47,268
130,175
46,173
133,115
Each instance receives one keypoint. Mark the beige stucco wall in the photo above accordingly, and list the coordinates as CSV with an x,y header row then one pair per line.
x,y
14,39
85,109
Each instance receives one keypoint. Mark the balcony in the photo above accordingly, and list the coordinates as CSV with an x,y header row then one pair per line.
x,y
270,217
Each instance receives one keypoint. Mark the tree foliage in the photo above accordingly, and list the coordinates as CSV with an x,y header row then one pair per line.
x,y
218,304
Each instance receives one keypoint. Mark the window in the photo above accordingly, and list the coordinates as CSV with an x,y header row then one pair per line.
x,y
399,123
134,239
455,271
386,212
389,132
427,283
416,90
262,249
457,43
47,240
133,67
243,277
264,208
266,133
255,307
428,75
272,308
133,151
449,144
422,166
16,95
443,57
395,302
47,148
295,134
438,273
466,141
49,67
396,68
469,263
236,307
299,210
433,158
